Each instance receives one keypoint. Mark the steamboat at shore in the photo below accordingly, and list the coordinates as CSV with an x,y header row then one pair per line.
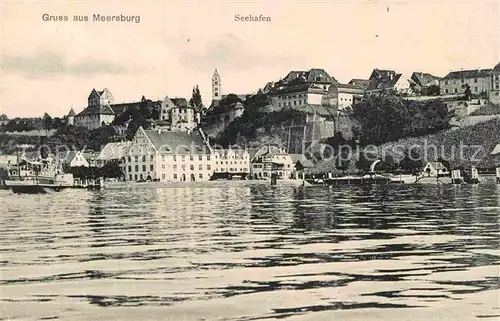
x,y
45,176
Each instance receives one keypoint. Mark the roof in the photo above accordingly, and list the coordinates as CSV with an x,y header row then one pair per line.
x,y
71,113
349,88
496,68
216,74
96,110
423,79
496,150
476,73
312,76
436,165
319,110
383,79
177,142
114,151
302,159
361,83
236,151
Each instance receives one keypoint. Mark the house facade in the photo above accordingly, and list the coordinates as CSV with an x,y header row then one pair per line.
x,y
272,160
168,156
494,94
177,115
342,96
435,169
495,153
232,160
454,82
420,81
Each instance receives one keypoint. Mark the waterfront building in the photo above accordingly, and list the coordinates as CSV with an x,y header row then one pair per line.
x,y
73,159
454,82
387,81
494,94
272,159
113,152
177,115
434,169
163,155
233,161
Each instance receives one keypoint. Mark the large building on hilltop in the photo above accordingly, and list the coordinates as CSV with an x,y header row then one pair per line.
x,y
300,88
454,83
101,109
495,85
177,115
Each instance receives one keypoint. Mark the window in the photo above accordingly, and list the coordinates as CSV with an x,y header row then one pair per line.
x,y
142,177
129,168
475,80
208,167
446,91
446,82
216,163
208,157
143,168
476,89
200,167
184,167
191,167
162,158
136,168
190,157
162,166
143,158
135,176
151,167
200,157
129,159
183,157
136,158
162,176
151,158
497,86
175,176
455,90
175,158
200,176
175,167
130,177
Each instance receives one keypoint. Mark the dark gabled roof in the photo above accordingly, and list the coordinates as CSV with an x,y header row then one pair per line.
x,y
71,113
383,79
96,110
361,83
314,75
176,142
423,79
476,73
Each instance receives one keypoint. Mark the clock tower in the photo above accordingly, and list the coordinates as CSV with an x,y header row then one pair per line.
x,y
216,86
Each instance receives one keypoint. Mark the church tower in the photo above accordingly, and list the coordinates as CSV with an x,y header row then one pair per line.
x,y
216,87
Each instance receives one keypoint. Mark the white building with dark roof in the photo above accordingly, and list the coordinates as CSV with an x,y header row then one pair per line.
x,y
168,156
177,115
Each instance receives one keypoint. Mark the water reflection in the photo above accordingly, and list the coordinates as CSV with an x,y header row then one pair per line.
x,y
364,247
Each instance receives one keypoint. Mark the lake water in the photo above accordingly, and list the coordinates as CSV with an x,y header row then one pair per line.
x,y
241,251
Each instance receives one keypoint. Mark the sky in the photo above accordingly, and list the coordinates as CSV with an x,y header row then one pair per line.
x,y
51,66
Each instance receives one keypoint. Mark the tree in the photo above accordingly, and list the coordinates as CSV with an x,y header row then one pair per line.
x,y
412,161
467,92
196,100
47,122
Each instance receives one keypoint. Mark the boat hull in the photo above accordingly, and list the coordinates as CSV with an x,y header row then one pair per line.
x,y
20,187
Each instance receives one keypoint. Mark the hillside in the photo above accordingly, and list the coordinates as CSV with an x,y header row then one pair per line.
x,y
467,146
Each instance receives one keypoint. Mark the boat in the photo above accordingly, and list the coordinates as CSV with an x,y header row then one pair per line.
x,y
35,177
45,176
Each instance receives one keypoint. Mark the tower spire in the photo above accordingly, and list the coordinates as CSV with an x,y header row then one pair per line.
x,y
216,86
